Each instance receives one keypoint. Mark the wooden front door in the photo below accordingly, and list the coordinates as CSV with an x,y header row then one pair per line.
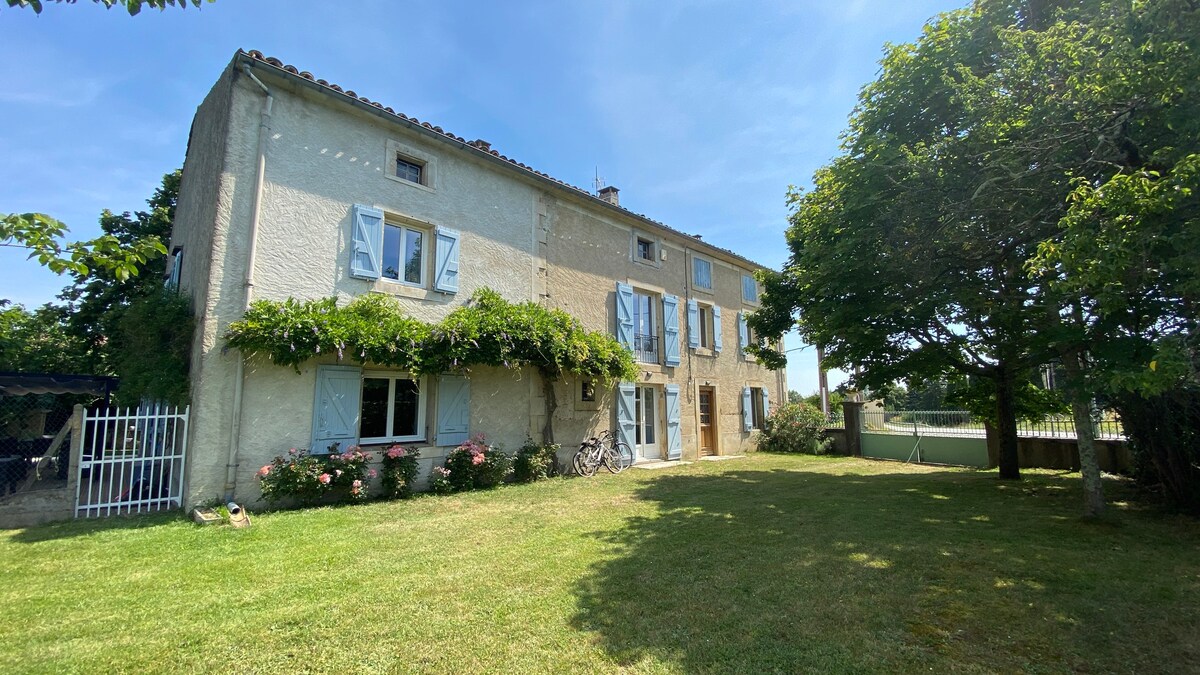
x,y
708,444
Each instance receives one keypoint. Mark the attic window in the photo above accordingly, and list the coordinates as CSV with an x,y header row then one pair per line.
x,y
410,165
645,249
410,170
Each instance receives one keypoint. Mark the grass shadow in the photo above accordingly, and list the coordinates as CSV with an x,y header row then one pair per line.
x,y
784,571
84,527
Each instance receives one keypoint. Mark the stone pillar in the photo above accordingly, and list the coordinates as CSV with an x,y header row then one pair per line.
x,y
75,455
852,414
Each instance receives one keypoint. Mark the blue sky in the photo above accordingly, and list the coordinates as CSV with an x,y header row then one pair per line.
x,y
701,112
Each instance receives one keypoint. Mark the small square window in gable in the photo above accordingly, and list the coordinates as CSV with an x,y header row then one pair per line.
x,y
408,169
410,165
646,248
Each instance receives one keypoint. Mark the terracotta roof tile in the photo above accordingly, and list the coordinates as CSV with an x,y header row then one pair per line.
x,y
479,145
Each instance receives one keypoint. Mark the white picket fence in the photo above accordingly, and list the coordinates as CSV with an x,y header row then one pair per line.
x,y
131,460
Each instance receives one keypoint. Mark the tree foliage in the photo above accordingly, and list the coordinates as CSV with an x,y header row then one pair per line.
x,y
911,254
114,321
97,302
37,342
43,236
134,7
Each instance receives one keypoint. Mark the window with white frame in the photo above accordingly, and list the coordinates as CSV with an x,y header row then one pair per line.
x,y
405,254
749,288
702,273
393,408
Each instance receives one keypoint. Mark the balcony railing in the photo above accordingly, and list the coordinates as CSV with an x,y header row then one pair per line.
x,y
645,348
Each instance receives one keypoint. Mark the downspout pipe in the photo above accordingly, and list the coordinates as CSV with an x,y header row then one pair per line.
x,y
235,427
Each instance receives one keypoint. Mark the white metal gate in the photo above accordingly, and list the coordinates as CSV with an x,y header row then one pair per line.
x,y
131,460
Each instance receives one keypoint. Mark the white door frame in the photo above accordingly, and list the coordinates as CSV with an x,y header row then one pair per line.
x,y
646,410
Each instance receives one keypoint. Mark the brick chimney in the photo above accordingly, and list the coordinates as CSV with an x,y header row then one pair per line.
x,y
609,194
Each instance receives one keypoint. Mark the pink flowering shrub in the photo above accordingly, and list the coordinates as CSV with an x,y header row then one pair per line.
x,y
399,471
307,478
475,465
351,472
296,475
439,481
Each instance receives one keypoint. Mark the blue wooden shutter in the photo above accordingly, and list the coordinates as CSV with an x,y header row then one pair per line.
x,y
366,249
743,332
693,324
671,330
336,408
674,440
625,414
766,401
453,409
716,315
747,412
445,278
625,315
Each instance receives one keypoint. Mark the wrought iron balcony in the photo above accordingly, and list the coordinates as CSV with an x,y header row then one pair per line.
x,y
645,348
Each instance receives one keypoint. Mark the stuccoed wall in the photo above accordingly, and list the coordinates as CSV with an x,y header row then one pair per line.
x,y
321,160
278,410
586,253
518,237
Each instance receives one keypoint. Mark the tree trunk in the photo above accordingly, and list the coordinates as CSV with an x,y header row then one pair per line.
x,y
551,406
1006,424
1085,437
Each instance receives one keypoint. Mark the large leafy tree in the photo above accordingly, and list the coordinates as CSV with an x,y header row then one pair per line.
x,y
910,257
96,303
112,322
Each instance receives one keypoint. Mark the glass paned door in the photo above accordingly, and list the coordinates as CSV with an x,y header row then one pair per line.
x,y
646,430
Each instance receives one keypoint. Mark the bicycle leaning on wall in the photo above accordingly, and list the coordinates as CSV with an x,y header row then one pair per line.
x,y
600,450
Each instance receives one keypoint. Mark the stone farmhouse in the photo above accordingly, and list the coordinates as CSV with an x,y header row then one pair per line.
x,y
296,188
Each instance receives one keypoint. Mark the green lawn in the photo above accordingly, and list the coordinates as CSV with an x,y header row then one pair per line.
x,y
761,564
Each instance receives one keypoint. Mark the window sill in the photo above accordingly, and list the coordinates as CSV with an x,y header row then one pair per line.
x,y
374,444
405,181
705,291
395,288
703,351
647,263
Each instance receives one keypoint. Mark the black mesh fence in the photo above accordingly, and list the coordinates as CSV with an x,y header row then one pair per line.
x,y
28,427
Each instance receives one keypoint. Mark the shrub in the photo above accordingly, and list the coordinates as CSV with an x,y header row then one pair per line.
x,y
535,462
439,481
794,427
350,472
475,465
308,478
399,471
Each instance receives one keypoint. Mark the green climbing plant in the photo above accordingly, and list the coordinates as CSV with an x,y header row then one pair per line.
x,y
487,331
